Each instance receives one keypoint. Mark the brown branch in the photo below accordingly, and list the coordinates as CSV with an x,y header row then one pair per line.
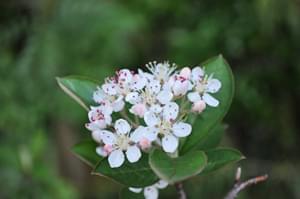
x,y
180,191
239,186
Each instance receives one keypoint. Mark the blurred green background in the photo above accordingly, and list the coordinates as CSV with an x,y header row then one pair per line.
x,y
42,39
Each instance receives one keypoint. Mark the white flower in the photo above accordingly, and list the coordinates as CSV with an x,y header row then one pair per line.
x,y
151,192
167,127
120,142
203,86
114,101
182,82
99,117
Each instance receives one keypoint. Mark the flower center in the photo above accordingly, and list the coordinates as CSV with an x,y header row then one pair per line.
x,y
148,97
123,142
165,127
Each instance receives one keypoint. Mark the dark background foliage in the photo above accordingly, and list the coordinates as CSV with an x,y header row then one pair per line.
x,y
40,40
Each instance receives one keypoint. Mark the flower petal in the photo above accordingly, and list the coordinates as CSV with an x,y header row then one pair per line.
x,y
164,96
151,192
197,73
151,119
170,143
108,137
213,85
110,88
151,133
124,76
100,151
180,87
99,95
161,184
97,136
182,129
210,100
135,190
133,153
137,134
118,105
154,86
116,158
122,126
133,98
156,108
170,111
194,96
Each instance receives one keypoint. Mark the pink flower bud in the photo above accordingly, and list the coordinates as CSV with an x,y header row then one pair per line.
x,y
185,72
107,148
199,106
139,110
145,143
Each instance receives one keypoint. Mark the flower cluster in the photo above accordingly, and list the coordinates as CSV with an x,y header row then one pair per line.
x,y
147,111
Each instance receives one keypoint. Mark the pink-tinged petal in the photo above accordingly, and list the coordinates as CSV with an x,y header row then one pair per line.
x,y
182,129
194,96
108,148
161,184
210,100
185,72
124,76
135,190
164,96
151,192
145,143
116,158
122,126
110,88
180,87
138,109
151,119
170,111
199,106
213,85
170,143
133,154
197,74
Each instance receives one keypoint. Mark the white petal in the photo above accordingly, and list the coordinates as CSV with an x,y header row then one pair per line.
x,y
194,96
151,119
151,192
100,151
197,73
210,100
161,184
97,136
122,126
170,111
137,134
116,158
109,88
133,98
118,105
213,85
108,137
99,95
156,108
170,143
133,154
154,86
164,96
135,190
182,129
151,133
139,82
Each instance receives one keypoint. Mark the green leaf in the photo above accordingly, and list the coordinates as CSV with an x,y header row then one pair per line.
x,y
79,88
86,151
138,174
125,193
218,158
212,139
177,169
204,122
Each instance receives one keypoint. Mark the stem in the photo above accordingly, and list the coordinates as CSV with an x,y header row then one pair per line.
x,y
239,186
124,114
180,191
